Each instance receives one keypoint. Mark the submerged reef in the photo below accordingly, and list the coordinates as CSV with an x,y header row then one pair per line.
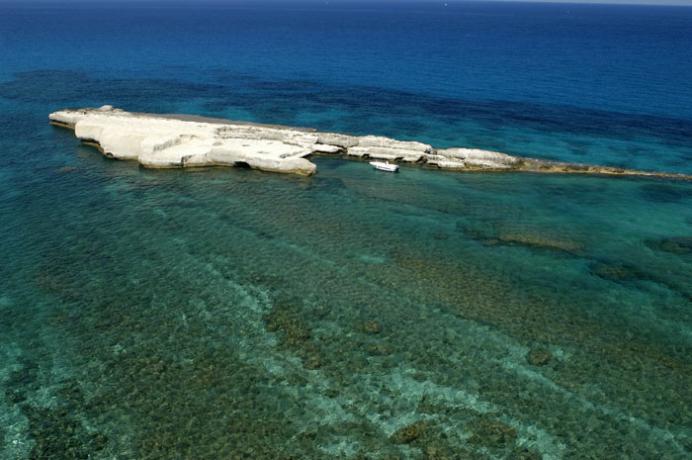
x,y
180,141
681,245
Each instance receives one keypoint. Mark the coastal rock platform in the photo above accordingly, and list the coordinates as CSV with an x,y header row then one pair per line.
x,y
181,141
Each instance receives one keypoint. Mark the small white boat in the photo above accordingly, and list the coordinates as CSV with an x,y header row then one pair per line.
x,y
384,166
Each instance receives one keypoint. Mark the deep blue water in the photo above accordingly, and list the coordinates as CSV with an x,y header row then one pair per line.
x,y
230,313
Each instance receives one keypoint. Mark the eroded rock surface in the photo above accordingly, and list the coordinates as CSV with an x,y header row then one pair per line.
x,y
177,141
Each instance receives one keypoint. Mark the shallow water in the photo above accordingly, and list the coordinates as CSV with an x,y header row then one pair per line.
x,y
223,313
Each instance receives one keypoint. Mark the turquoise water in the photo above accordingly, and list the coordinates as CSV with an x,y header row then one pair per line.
x,y
227,313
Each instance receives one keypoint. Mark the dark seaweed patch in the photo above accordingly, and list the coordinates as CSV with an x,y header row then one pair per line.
x,y
56,431
492,433
618,272
527,239
627,274
681,245
58,434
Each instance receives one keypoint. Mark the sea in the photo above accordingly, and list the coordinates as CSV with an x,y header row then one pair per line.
x,y
230,313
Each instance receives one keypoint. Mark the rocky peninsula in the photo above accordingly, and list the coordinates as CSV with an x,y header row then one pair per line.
x,y
179,141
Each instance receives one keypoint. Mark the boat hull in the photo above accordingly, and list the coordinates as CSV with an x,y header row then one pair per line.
x,y
388,167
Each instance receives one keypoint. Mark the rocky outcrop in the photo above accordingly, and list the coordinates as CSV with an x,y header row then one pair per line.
x,y
169,142
475,158
383,148
174,141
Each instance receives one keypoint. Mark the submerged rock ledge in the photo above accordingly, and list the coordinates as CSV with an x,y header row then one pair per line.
x,y
179,141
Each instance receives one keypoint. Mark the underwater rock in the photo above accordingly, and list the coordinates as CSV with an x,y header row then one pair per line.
x,y
440,236
310,355
527,238
287,319
540,241
492,433
623,273
294,333
409,433
538,357
58,430
617,272
98,441
433,452
288,323
183,141
372,327
379,349
681,245
312,360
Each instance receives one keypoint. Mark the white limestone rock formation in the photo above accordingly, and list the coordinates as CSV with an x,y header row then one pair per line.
x,y
342,140
383,148
175,141
444,162
476,158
